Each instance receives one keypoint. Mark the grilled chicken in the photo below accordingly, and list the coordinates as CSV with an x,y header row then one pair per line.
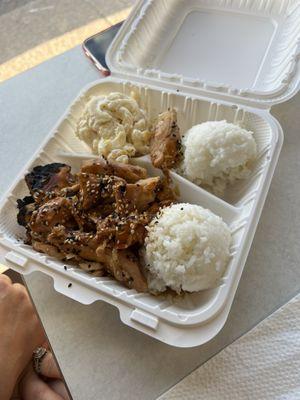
x,y
97,189
53,212
96,218
46,181
94,268
165,145
26,206
122,264
121,232
137,196
46,248
131,173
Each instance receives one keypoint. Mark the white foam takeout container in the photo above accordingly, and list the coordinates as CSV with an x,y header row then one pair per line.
x,y
211,60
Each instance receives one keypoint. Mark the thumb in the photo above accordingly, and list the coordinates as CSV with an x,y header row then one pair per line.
x,y
59,387
49,367
32,387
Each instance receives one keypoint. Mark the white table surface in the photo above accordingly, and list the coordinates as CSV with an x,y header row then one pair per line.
x,y
99,356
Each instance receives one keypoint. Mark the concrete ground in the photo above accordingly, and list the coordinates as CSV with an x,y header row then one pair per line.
x,y
26,25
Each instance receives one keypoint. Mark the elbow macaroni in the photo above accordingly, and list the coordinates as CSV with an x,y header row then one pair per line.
x,y
114,126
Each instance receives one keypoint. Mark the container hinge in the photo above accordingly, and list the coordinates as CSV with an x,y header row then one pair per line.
x,y
16,258
144,318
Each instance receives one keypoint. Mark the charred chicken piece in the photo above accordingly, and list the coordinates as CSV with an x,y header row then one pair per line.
x,y
44,183
70,191
97,189
165,145
100,212
130,173
157,206
47,180
54,212
128,270
124,266
166,191
97,269
122,232
26,207
136,196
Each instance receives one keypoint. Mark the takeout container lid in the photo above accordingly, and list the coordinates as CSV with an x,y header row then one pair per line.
x,y
245,52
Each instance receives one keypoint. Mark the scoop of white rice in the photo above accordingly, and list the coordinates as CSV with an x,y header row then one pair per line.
x,y
217,153
187,248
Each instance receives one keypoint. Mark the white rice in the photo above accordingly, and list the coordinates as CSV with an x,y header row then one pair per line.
x,y
217,153
187,248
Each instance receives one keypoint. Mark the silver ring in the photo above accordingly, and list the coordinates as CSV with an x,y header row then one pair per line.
x,y
37,358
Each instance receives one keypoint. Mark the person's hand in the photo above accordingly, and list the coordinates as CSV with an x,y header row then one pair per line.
x,y
33,387
20,334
